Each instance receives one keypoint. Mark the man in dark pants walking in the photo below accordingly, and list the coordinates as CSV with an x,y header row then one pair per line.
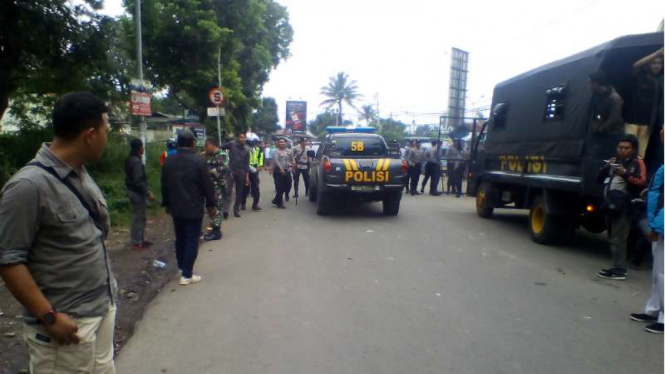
x,y
432,170
239,154
415,160
281,166
256,161
185,186
302,166
137,192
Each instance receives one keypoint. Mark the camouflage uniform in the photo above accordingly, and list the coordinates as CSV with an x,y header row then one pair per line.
x,y
218,166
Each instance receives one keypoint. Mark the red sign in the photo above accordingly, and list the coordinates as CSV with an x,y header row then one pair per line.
x,y
216,96
141,104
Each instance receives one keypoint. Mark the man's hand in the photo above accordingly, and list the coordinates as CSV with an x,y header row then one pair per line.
x,y
247,180
212,212
652,236
281,171
619,170
63,330
150,196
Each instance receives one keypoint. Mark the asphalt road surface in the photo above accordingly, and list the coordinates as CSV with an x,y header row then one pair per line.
x,y
433,290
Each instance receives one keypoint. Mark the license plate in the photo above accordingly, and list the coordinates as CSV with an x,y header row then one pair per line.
x,y
364,188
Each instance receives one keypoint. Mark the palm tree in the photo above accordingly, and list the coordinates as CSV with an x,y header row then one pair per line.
x,y
338,90
367,113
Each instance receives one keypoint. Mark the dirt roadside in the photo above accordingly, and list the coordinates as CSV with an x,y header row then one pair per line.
x,y
138,281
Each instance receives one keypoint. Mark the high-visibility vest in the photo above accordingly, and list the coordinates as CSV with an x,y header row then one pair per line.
x,y
256,157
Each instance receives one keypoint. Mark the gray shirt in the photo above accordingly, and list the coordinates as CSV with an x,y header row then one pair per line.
x,y
415,156
283,159
44,226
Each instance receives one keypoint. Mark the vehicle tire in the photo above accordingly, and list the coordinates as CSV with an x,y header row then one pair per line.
x,y
548,228
391,204
312,194
484,207
323,205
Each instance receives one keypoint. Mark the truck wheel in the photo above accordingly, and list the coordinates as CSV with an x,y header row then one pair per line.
x,y
312,194
391,204
548,228
323,204
484,207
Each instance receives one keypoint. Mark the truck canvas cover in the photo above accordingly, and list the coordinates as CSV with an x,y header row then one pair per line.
x,y
527,131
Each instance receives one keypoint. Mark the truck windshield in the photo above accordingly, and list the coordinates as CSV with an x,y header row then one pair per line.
x,y
359,147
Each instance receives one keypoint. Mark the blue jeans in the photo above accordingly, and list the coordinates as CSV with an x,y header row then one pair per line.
x,y
187,233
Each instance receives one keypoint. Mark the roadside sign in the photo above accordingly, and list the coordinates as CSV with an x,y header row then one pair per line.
x,y
141,97
216,111
216,96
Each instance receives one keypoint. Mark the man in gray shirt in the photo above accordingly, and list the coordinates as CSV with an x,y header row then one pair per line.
x,y
415,159
53,222
281,166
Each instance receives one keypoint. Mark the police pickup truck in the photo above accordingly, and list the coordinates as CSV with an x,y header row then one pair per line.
x,y
353,163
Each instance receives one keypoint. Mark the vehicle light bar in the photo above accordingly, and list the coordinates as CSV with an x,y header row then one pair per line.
x,y
342,129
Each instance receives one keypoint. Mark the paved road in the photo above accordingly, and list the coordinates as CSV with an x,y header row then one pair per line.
x,y
434,290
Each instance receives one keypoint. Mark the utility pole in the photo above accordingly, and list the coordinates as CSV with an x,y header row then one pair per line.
x,y
219,82
139,60
378,113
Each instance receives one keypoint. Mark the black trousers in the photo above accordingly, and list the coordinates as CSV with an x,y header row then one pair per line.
x,y
415,176
187,232
252,189
296,179
431,173
282,182
239,184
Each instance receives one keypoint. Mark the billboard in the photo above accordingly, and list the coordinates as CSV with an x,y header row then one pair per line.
x,y
141,97
296,116
459,63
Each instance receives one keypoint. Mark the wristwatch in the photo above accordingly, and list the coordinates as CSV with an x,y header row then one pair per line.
x,y
48,318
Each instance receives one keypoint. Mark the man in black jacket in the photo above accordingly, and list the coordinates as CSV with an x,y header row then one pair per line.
x,y
185,186
137,192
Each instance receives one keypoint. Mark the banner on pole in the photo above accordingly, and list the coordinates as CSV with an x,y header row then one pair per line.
x,y
296,116
141,97
216,112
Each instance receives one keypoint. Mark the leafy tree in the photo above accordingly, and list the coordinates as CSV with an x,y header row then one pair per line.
x,y
318,126
427,131
265,119
368,114
49,47
181,40
340,90
392,129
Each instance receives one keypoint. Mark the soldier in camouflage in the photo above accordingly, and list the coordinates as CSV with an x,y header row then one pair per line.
x,y
218,166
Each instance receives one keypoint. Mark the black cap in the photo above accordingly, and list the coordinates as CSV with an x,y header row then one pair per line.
x,y
185,138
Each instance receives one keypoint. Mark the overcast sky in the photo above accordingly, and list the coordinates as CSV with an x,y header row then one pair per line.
x,y
400,49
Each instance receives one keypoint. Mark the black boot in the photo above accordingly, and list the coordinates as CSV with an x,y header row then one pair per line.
x,y
256,207
215,234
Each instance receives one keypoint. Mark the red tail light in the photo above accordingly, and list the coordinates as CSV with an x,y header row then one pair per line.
x,y
405,166
327,166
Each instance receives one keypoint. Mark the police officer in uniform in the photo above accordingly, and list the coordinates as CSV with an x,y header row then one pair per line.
x,y
281,166
256,162
218,167
302,167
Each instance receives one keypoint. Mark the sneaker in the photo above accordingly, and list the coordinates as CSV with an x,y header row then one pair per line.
x,y
435,193
655,328
256,208
286,197
281,206
611,275
236,214
641,317
213,235
194,279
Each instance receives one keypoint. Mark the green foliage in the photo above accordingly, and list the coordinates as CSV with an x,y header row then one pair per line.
x,y
429,131
318,126
49,47
367,114
340,90
265,119
19,148
182,38
391,129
